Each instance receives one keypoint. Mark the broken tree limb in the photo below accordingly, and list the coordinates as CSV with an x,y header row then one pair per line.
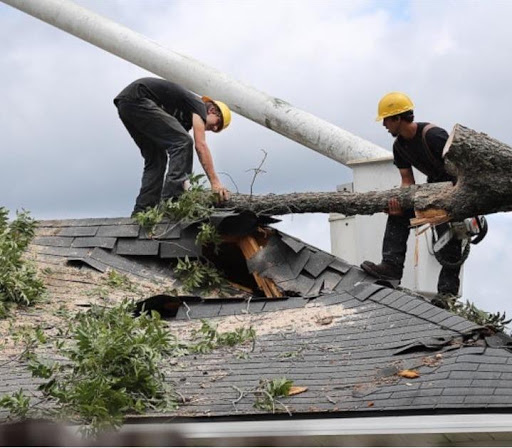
x,y
482,164
484,169
335,202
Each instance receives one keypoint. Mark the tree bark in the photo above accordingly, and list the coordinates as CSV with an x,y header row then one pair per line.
x,y
483,167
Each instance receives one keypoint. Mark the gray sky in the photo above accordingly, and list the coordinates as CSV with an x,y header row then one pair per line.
x,y
65,154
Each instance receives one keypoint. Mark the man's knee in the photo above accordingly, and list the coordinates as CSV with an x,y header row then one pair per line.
x,y
180,151
155,161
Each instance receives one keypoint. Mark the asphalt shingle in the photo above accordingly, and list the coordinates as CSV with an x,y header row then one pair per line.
x,y
364,290
132,246
297,261
120,263
340,265
292,243
58,241
350,279
317,263
104,242
124,231
301,285
179,248
78,231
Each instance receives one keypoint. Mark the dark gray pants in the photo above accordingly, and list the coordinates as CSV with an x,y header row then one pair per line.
x,y
164,144
394,249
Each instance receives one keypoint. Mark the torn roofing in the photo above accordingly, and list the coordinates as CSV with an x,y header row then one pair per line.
x,y
347,347
295,267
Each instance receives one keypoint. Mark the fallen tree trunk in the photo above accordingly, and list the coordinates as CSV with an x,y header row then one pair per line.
x,y
482,164
334,202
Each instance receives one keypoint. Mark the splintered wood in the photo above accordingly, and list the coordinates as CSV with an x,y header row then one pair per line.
x,y
249,247
431,216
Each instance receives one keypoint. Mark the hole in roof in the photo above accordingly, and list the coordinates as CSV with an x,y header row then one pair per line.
x,y
233,265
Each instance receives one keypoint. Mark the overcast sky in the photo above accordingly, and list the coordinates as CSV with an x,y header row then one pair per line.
x,y
65,154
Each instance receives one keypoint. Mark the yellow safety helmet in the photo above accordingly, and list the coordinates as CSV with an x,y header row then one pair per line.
x,y
393,103
224,112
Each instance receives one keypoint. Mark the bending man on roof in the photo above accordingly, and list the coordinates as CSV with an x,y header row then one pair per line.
x,y
418,145
159,114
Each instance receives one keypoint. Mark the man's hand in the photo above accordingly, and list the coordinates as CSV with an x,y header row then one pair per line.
x,y
222,191
394,207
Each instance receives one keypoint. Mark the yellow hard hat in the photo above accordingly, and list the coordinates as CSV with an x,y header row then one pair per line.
x,y
224,111
393,103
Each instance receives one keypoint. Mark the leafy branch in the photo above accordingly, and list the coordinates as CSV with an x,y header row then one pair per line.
x,y
495,322
18,278
268,391
18,404
112,366
196,274
207,338
194,205
117,280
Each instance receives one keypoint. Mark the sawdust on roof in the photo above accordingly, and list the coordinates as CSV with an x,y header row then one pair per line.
x,y
312,317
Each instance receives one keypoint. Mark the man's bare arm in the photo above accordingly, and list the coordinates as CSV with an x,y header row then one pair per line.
x,y
205,157
407,177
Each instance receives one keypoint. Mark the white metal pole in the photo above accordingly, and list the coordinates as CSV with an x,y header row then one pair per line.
x,y
278,115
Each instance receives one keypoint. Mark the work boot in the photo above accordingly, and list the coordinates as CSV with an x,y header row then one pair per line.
x,y
444,300
382,271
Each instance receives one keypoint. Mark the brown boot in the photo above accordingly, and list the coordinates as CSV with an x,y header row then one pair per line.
x,y
382,271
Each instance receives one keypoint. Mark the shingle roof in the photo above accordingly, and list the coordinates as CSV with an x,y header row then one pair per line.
x,y
343,336
349,361
118,243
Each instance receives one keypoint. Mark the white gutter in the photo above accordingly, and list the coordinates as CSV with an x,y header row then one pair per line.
x,y
278,115
420,424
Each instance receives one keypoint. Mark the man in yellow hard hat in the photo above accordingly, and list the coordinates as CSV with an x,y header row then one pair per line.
x,y
418,145
159,114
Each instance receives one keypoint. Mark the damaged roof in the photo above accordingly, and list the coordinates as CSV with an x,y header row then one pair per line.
x,y
119,243
333,330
